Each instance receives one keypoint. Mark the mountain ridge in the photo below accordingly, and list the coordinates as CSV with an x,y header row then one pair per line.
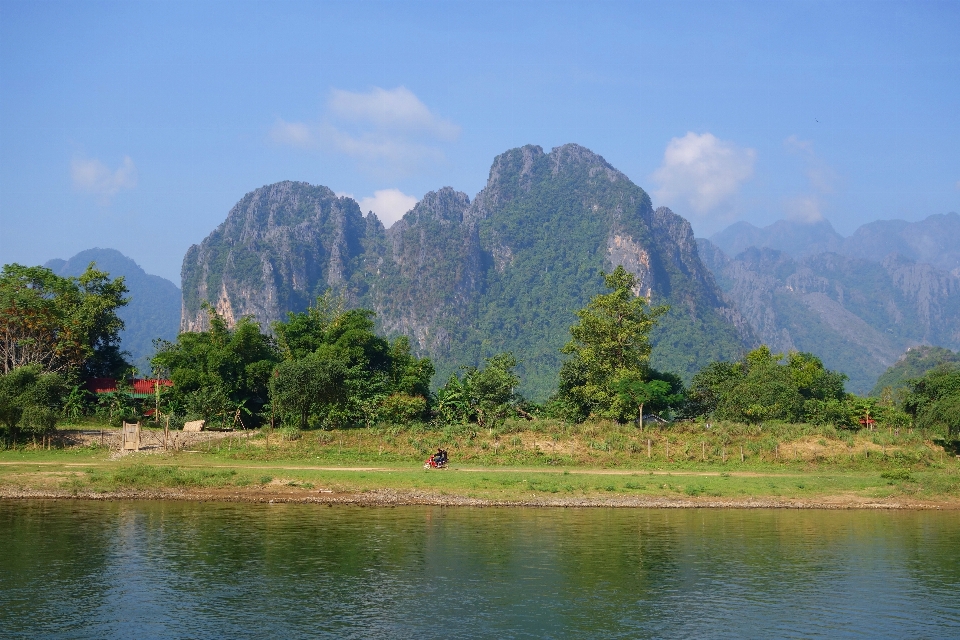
x,y
934,240
465,278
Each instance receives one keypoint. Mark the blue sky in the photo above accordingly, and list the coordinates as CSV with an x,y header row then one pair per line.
x,y
138,125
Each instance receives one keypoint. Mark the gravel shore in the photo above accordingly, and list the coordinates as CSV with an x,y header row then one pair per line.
x,y
390,498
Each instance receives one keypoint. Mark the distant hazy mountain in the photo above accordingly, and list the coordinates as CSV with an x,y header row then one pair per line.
x,y
797,239
934,240
857,315
913,364
154,308
465,280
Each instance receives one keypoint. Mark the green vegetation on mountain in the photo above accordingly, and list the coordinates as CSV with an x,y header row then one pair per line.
x,y
465,281
913,364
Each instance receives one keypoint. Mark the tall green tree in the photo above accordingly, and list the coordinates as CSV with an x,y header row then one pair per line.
x,y
485,395
609,344
65,325
769,386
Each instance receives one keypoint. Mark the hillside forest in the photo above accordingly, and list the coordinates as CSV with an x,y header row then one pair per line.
x,y
327,367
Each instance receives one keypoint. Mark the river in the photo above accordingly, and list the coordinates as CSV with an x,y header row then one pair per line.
x,y
85,569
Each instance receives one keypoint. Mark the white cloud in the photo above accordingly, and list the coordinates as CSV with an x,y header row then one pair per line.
x,y
92,176
294,134
702,171
823,179
388,204
803,209
391,109
390,131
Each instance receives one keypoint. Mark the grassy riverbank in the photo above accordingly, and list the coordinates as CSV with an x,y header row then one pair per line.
x,y
535,463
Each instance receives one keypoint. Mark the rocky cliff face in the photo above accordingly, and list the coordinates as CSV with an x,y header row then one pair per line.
x,y
468,279
280,247
857,315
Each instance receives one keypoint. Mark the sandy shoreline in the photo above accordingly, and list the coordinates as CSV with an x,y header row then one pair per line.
x,y
390,498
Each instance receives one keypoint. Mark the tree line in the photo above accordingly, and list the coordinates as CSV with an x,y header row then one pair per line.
x,y
327,367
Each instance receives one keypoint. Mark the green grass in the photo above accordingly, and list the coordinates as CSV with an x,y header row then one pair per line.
x,y
521,460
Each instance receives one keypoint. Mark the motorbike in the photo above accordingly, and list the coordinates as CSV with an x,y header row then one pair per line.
x,y
434,464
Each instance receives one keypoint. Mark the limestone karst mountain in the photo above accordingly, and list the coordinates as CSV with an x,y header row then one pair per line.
x,y
467,279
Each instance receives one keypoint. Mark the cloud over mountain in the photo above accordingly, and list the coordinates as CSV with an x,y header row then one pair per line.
x,y
387,131
700,172
89,175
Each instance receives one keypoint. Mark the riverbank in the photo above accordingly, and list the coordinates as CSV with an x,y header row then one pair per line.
x,y
97,474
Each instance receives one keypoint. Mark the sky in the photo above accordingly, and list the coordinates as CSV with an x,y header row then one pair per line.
x,y
138,125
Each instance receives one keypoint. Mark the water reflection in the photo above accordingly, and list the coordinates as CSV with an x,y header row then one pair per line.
x,y
102,570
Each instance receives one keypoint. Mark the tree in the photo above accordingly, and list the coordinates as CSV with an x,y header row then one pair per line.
x,y
634,391
31,399
66,325
309,386
762,386
381,378
484,395
609,344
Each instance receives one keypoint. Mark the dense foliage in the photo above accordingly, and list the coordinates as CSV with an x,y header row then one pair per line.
x,y
913,364
64,325
218,375
31,400
762,386
337,371
484,395
934,399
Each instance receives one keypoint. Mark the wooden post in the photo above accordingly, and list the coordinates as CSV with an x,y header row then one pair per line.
x,y
649,448
776,451
723,453
703,452
741,454
166,432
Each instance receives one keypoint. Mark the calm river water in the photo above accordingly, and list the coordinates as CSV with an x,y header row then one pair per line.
x,y
75,569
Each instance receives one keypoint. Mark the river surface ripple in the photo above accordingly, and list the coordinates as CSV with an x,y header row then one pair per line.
x,y
84,569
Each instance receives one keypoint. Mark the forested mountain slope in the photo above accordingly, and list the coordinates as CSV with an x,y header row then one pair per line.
x,y
468,279
857,315
154,308
913,364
